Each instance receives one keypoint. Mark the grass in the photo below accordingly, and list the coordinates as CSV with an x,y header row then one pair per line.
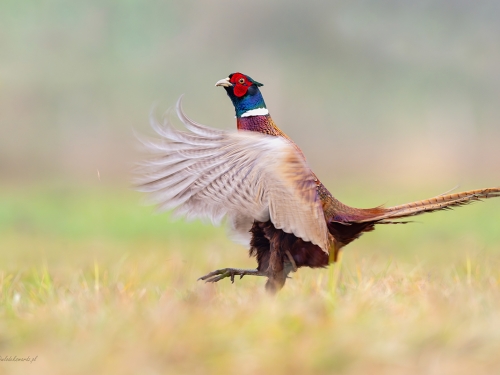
x,y
92,282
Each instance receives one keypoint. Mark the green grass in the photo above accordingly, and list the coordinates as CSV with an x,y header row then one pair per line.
x,y
93,282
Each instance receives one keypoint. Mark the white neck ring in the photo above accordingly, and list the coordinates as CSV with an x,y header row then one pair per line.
x,y
255,112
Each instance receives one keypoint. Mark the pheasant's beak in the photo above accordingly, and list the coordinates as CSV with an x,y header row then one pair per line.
x,y
224,82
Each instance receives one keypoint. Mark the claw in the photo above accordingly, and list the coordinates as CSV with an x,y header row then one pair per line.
x,y
218,275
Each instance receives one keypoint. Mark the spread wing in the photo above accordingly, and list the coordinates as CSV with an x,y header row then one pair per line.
x,y
241,175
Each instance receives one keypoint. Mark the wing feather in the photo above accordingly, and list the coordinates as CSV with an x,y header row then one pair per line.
x,y
244,176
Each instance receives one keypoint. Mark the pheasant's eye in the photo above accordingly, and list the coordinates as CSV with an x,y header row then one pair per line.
x,y
241,80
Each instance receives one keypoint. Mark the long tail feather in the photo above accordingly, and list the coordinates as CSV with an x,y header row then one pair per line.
x,y
441,202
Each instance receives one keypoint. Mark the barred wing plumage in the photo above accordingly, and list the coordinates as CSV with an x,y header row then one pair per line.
x,y
241,175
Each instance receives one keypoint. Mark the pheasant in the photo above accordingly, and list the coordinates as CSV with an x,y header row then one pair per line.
x,y
258,180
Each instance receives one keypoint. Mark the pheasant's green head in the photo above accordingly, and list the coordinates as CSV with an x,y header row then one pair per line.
x,y
245,95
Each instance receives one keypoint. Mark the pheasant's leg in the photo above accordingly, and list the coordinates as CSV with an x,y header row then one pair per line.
x,y
276,281
292,261
275,272
217,275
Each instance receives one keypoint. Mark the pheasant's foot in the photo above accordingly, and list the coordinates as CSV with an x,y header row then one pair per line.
x,y
217,275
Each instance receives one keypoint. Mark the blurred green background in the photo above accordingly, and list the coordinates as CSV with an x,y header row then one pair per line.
x,y
390,101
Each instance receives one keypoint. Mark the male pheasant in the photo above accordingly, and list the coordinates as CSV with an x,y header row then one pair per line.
x,y
259,181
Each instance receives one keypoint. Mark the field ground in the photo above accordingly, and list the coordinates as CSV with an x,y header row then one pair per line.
x,y
92,282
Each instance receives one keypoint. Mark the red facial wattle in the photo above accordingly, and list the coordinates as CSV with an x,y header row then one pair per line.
x,y
240,90
240,84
